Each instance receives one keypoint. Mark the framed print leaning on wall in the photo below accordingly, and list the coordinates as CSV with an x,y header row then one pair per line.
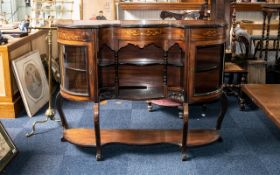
x,y
32,81
7,149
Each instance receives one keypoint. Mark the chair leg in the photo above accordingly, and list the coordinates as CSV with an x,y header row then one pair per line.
x,y
240,93
241,102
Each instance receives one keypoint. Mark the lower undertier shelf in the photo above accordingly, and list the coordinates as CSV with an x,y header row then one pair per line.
x,y
86,137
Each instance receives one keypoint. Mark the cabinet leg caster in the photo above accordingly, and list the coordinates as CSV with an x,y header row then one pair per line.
x,y
180,108
150,107
204,110
184,156
98,156
63,139
180,114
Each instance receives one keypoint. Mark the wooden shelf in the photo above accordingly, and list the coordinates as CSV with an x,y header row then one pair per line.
x,y
206,67
141,61
175,63
248,6
75,69
141,94
257,26
86,137
160,6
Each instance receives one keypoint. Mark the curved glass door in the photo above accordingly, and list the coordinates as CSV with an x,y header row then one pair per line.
x,y
74,69
208,69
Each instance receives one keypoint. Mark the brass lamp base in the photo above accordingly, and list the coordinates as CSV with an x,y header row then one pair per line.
x,y
50,112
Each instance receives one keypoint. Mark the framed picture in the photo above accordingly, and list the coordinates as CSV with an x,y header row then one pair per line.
x,y
7,149
32,81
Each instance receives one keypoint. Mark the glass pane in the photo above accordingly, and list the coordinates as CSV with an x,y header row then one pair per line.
x,y
74,69
208,68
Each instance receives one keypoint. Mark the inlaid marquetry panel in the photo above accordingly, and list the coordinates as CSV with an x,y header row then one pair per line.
x,y
75,34
206,34
2,82
152,33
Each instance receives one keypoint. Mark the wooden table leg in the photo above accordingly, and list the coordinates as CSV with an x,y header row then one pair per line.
x,y
97,131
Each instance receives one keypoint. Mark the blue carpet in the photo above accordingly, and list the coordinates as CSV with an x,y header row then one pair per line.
x,y
251,143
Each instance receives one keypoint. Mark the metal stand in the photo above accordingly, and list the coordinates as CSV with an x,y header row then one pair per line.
x,y
50,112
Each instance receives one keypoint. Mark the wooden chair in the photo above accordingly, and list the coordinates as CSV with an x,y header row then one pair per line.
x,y
258,68
201,14
244,67
235,69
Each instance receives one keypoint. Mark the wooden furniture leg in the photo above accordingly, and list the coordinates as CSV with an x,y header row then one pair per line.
x,y
263,34
269,15
97,131
185,131
240,98
277,59
59,104
224,106
150,107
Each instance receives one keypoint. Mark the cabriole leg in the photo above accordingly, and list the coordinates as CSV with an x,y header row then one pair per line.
x,y
185,131
59,104
97,131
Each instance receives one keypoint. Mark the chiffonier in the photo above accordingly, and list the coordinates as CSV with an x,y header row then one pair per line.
x,y
141,60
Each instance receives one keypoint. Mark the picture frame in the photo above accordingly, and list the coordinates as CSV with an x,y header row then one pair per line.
x,y
32,81
7,148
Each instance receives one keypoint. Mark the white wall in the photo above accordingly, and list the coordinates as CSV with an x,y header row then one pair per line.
x,y
92,7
